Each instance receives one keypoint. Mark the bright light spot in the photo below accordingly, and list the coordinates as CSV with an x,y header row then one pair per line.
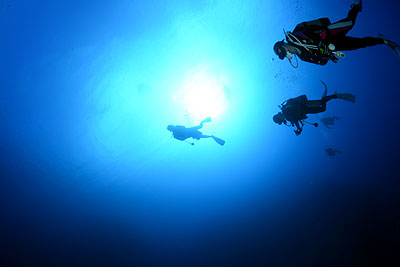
x,y
202,95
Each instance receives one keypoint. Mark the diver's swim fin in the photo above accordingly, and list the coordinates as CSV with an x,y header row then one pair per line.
x,y
392,45
218,140
357,5
395,47
346,97
208,119
325,90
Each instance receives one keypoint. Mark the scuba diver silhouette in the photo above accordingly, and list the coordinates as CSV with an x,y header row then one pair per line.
x,y
182,133
319,41
295,110
328,121
332,152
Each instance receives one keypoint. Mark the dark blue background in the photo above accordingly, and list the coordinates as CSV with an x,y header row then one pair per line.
x,y
91,177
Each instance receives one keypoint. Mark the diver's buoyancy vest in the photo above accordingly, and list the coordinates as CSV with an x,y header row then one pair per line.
x,y
294,109
182,133
309,32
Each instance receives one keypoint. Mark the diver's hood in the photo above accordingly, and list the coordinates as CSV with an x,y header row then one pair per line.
x,y
280,50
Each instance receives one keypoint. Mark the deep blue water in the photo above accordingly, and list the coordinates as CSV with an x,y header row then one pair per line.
x,y
91,177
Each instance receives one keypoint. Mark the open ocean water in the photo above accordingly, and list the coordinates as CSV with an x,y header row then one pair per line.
x,y
90,176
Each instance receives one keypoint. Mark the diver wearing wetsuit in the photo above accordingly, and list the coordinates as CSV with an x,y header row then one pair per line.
x,y
182,133
319,41
294,111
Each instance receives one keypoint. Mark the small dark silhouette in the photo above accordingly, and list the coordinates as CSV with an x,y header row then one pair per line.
x,y
332,152
182,133
295,110
328,121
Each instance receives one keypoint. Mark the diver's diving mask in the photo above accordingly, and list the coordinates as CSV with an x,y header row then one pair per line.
x,y
282,52
279,50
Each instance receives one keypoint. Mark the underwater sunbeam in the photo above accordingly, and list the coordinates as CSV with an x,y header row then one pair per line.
x,y
202,95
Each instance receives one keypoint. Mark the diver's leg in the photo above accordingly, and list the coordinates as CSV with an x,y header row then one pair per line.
x,y
342,27
328,98
352,15
318,106
347,43
216,139
195,134
208,119
357,5
315,106
197,127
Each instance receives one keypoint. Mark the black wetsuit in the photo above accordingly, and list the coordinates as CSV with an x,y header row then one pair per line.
x,y
322,32
182,133
296,109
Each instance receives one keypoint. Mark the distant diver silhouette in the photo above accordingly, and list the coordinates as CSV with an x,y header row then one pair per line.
x,y
295,110
332,152
328,121
182,133
319,41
